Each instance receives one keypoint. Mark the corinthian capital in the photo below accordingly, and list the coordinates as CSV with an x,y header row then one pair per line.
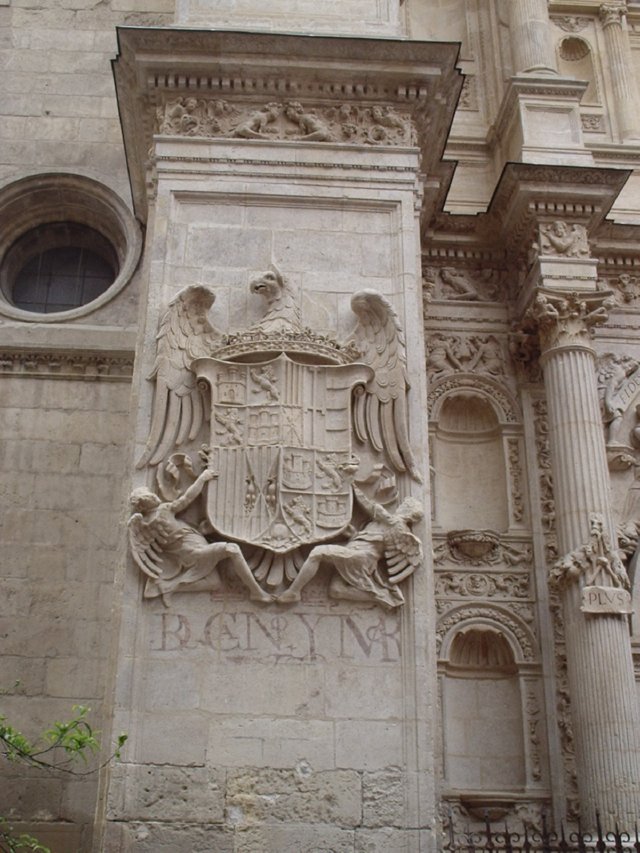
x,y
567,319
612,13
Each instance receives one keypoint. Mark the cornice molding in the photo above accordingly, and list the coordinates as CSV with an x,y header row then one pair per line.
x,y
239,74
70,364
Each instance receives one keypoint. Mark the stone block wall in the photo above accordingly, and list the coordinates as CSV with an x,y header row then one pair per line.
x,y
58,103
62,451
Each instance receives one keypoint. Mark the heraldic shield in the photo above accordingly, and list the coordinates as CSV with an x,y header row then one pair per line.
x,y
281,449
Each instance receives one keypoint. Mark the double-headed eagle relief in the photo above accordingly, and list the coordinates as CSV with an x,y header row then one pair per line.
x,y
300,437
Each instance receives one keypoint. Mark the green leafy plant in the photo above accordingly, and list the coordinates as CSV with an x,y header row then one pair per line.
x,y
58,749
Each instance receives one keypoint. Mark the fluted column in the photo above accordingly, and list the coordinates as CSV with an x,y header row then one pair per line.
x,y
620,64
530,37
590,577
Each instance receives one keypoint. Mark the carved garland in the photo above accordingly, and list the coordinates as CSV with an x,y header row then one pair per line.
x,y
547,514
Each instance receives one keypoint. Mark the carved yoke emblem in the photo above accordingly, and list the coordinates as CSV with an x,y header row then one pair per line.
x,y
281,449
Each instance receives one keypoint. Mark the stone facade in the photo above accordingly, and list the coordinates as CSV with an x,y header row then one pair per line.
x,y
329,497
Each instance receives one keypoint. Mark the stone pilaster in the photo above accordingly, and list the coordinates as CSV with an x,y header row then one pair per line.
x,y
590,577
624,87
530,39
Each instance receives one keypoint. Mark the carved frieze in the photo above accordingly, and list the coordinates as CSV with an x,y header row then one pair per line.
x,y
285,409
463,284
545,479
482,585
218,117
464,353
547,516
515,479
534,723
56,364
571,23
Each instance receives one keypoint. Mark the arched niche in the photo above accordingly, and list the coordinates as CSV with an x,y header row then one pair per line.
x,y
477,456
484,726
575,60
469,464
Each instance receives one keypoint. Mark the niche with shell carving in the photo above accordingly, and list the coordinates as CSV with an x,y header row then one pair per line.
x,y
469,465
575,60
482,712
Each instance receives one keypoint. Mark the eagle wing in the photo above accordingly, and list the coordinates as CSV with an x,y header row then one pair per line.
x,y
402,554
380,413
146,545
184,334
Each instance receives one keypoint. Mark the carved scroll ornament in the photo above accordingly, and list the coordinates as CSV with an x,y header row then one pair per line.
x,y
286,409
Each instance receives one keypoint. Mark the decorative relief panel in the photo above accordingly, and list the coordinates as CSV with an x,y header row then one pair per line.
x,y
618,386
216,117
286,409
571,23
626,288
547,513
463,284
482,585
480,548
564,240
464,353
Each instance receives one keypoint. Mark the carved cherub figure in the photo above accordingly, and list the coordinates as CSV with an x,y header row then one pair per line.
x,y
386,537
313,129
172,553
458,281
257,124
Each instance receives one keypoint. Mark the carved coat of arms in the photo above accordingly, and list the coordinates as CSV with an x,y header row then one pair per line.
x,y
287,410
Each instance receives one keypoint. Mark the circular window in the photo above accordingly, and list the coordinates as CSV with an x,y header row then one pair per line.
x,y
69,246
59,267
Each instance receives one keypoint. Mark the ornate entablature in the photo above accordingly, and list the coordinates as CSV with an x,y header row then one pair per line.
x,y
258,87
288,411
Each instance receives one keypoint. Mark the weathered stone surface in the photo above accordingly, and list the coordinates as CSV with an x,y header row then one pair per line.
x,y
173,794
383,798
304,838
293,796
385,840
153,837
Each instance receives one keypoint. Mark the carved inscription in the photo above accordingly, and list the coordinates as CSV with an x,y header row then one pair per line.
x,y
605,599
292,637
